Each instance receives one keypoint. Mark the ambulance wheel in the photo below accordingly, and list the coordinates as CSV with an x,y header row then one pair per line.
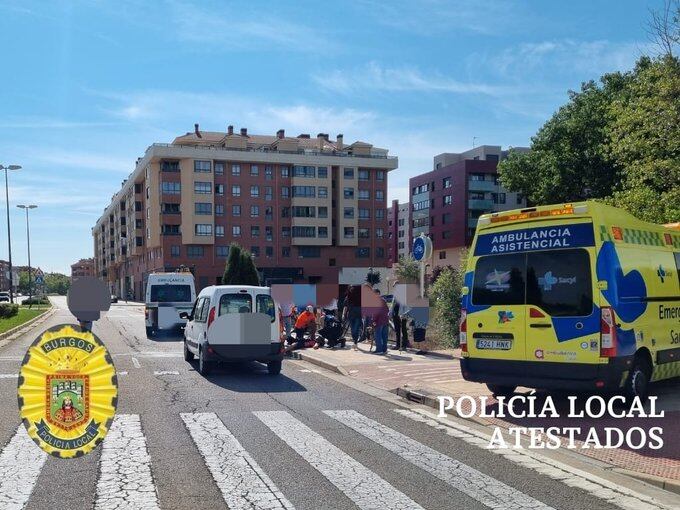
x,y
637,383
188,355
149,332
204,366
498,389
274,367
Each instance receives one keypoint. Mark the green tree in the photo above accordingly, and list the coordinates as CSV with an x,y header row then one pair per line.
x,y
407,270
23,282
56,283
445,296
240,269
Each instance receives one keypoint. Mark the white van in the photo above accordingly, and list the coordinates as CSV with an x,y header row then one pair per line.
x,y
233,323
168,295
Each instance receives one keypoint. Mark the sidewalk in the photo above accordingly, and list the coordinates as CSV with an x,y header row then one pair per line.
x,y
422,377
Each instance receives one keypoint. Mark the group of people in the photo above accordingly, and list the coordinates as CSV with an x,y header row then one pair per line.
x,y
364,316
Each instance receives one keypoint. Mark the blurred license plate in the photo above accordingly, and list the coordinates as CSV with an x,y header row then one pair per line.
x,y
502,345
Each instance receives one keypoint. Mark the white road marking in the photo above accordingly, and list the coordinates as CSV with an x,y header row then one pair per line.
x,y
152,354
9,376
135,362
20,464
122,372
11,358
240,479
356,481
165,372
611,492
125,479
479,486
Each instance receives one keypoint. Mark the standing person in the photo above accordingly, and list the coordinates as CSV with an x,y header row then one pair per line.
x,y
400,326
352,312
381,322
287,317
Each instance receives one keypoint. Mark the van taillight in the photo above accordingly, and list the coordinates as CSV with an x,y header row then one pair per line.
x,y
607,332
463,331
211,316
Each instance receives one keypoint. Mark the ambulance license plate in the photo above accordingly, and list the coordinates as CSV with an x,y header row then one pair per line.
x,y
501,345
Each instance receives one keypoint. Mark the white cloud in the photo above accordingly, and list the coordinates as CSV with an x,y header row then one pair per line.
x,y
35,122
403,79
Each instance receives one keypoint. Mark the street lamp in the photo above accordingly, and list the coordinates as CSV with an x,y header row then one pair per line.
x,y
28,241
9,236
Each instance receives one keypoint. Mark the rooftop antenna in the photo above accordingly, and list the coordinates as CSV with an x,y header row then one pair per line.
x,y
474,138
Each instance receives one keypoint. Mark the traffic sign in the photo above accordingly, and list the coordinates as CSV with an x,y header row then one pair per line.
x,y
422,248
39,280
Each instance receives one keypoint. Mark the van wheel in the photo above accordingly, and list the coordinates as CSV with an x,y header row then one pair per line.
x,y
188,355
149,332
637,383
500,390
204,366
274,367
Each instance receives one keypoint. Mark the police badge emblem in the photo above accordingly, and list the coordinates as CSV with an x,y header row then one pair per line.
x,y
67,391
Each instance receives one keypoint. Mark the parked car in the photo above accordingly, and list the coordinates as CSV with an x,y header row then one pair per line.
x,y
114,298
233,323
4,296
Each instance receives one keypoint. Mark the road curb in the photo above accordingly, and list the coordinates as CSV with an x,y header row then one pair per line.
x,y
432,354
305,356
658,481
26,325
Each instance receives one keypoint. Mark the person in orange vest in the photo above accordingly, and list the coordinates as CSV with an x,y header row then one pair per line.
x,y
306,321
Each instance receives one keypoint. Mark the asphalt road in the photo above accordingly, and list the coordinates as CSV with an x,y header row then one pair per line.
x,y
243,439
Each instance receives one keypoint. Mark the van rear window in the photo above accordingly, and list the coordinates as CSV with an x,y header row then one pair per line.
x,y
557,281
170,294
235,303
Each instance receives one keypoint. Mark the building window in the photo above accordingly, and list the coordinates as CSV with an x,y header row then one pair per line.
x,y
309,252
219,230
175,250
269,233
447,200
203,229
285,231
446,234
222,251
236,210
364,233
304,171
285,171
349,173
323,192
219,210
520,198
364,213
380,214
255,231
171,188
380,175
254,211
362,252
285,212
285,251
380,252
498,198
201,207
364,175
304,191
168,230
401,245
323,232
364,194
379,194
201,166
446,218
254,170
323,212
446,182
476,177
219,168
304,231
219,190
420,205
236,170
322,172
348,193
379,233
348,212
202,187
236,230
492,157
268,172
195,251
301,211
349,232
268,193
442,255
254,191
236,190
285,192
167,166
255,251
269,213
170,208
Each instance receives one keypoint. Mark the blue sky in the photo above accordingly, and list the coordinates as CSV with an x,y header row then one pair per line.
x,y
87,85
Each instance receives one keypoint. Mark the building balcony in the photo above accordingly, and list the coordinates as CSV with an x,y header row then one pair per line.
x,y
480,204
482,185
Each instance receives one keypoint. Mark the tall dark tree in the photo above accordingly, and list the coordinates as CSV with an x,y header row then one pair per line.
x,y
233,268
249,275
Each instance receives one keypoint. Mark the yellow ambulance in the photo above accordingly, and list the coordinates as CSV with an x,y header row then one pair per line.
x,y
578,296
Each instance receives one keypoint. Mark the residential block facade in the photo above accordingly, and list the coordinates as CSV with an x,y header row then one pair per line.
x,y
304,207
446,202
399,226
84,267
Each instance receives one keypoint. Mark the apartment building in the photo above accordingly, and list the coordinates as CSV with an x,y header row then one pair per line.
x,y
447,201
398,225
303,206
84,267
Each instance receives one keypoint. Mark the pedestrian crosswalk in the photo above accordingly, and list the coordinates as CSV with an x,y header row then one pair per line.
x,y
126,478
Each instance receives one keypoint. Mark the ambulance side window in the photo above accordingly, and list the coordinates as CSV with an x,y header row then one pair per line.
x,y
677,265
499,280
